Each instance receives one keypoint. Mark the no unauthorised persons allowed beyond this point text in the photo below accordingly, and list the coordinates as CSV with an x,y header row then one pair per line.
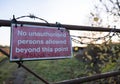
x,y
39,42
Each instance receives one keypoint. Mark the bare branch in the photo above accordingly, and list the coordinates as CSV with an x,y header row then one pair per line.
x,y
111,1
118,4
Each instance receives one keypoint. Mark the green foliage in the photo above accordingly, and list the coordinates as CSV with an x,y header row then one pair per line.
x,y
102,58
97,57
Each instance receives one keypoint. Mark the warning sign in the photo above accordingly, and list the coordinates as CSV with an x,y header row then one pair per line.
x,y
30,42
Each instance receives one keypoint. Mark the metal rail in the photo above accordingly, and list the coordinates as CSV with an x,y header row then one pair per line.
x,y
69,27
89,78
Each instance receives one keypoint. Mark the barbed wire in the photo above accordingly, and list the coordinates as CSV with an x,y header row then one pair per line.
x,y
112,33
32,17
118,34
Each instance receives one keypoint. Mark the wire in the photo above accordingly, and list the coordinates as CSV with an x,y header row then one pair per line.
x,y
33,17
108,36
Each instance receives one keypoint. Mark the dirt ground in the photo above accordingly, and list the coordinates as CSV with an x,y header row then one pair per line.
x,y
18,77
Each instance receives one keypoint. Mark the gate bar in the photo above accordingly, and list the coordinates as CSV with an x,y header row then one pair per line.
x,y
89,78
19,63
69,27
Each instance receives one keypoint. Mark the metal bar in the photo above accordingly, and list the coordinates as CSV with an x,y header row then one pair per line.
x,y
89,78
19,63
69,27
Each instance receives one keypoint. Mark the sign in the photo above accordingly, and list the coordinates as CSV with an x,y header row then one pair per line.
x,y
30,42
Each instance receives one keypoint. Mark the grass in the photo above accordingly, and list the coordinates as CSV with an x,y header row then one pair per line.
x,y
57,70
50,70
6,70
2,57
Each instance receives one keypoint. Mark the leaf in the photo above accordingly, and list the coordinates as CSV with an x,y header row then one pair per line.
x,y
89,57
96,19
92,14
102,57
91,64
76,49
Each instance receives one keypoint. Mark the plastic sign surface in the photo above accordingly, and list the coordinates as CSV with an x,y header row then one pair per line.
x,y
29,42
